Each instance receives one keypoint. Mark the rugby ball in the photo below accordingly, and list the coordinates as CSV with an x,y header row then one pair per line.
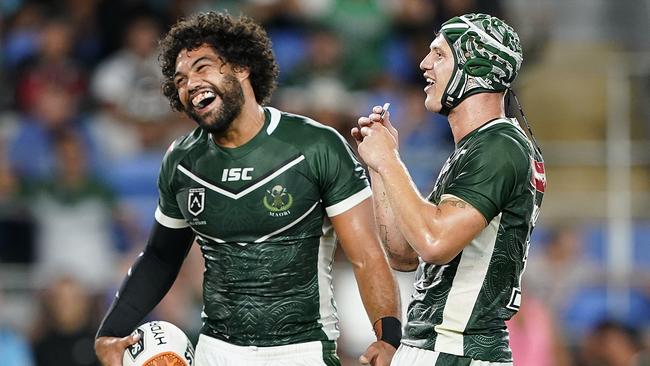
x,y
161,344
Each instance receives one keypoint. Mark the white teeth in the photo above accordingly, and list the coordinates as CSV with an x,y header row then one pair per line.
x,y
201,96
431,81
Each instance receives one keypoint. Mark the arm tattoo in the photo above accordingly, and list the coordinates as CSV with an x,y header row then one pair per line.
x,y
383,234
454,202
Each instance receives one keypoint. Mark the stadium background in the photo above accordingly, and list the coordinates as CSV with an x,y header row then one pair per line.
x,y
83,128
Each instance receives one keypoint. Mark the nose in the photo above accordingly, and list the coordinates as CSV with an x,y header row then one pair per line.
x,y
193,83
426,63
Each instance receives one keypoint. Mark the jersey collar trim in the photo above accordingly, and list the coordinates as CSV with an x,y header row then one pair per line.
x,y
275,120
495,122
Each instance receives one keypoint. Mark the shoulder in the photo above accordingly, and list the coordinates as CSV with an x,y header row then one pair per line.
x,y
305,133
291,124
503,143
183,145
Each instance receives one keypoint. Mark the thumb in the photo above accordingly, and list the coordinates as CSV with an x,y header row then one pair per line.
x,y
369,356
364,360
130,339
386,121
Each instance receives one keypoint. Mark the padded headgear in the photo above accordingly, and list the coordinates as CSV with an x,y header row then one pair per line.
x,y
487,55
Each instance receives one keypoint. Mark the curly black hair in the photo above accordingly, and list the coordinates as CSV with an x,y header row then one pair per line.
x,y
239,41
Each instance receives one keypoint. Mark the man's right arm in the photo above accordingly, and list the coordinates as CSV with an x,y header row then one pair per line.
x,y
401,255
146,284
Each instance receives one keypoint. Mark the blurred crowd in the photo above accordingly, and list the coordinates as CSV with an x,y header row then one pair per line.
x,y
83,127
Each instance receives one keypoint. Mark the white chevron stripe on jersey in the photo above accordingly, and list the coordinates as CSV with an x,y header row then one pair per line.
x,y
294,222
205,236
284,228
246,191
466,286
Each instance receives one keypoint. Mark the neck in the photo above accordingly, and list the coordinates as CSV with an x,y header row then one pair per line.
x,y
247,124
473,112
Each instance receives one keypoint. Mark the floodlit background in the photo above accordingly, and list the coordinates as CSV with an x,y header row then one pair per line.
x,y
83,127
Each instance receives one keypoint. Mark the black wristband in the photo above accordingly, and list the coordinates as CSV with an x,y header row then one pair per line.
x,y
391,331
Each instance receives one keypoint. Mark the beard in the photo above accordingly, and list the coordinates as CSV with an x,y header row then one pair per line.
x,y
218,120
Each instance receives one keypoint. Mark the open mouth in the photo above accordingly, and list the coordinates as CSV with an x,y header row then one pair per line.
x,y
203,99
430,82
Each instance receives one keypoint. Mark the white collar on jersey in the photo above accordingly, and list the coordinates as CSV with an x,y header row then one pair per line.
x,y
275,120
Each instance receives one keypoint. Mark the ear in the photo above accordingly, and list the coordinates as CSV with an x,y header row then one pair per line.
x,y
241,72
478,66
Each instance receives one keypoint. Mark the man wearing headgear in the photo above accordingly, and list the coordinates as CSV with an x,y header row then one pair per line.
x,y
469,238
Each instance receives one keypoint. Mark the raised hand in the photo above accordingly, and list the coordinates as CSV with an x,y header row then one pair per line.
x,y
378,115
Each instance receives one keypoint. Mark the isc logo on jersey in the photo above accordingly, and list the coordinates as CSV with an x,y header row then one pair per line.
x,y
161,343
235,174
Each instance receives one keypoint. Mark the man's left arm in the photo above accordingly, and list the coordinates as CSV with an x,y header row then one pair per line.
x,y
358,237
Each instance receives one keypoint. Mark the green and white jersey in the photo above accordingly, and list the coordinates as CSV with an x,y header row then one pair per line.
x,y
460,308
258,211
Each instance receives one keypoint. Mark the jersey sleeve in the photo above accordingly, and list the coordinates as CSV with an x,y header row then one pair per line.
x,y
342,179
489,175
168,213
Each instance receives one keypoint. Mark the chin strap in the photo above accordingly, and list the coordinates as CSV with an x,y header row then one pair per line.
x,y
521,111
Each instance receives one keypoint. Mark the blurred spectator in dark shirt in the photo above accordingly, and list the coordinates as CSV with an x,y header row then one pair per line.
x,y
612,343
52,65
83,17
16,222
64,333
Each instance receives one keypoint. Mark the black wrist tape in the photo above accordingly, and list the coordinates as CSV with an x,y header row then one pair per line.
x,y
391,331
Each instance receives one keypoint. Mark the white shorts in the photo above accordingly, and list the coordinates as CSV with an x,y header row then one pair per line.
x,y
214,352
412,356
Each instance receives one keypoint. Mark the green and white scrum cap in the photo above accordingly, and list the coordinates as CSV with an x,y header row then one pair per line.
x,y
488,56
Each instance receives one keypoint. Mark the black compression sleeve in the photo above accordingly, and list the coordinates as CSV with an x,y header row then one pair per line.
x,y
151,277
